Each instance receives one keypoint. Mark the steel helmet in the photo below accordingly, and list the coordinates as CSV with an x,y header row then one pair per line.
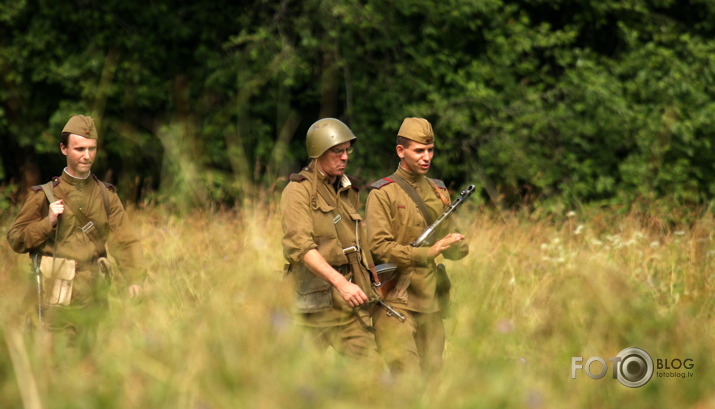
x,y
326,133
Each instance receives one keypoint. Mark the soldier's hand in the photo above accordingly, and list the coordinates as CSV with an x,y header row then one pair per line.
x,y
352,294
444,243
56,209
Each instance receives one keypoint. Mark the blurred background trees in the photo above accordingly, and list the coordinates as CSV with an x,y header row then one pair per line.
x,y
541,103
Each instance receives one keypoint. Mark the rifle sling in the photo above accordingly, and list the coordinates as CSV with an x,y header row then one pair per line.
x,y
356,259
47,188
91,232
340,227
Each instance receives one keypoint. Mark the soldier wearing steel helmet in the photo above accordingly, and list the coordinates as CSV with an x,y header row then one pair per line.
x,y
323,243
420,288
66,225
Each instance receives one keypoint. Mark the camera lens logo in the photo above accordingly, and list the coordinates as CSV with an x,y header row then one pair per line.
x,y
634,368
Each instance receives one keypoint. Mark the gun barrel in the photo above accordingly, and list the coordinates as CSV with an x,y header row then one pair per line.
x,y
38,278
391,312
425,236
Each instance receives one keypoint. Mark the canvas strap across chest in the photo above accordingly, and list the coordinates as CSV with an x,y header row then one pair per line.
x,y
343,228
88,226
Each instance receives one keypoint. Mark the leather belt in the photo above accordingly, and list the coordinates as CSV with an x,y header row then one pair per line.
x,y
344,269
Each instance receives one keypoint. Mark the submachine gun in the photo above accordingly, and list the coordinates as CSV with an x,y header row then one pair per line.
x,y
386,271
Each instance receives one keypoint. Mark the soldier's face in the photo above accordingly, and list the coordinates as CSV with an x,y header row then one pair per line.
x,y
334,161
80,153
416,157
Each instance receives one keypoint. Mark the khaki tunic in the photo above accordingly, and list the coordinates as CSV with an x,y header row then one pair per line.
x,y
32,232
309,206
393,222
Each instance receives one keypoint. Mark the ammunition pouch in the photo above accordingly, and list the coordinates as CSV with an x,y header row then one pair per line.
x,y
57,280
312,293
444,285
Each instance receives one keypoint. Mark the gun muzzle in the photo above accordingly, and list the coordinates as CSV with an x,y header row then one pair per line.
x,y
391,312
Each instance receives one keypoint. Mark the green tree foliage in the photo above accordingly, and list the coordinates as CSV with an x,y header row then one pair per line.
x,y
539,102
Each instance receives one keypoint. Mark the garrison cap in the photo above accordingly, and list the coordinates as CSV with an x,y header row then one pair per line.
x,y
417,129
81,125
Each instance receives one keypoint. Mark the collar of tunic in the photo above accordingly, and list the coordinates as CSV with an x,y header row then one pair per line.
x,y
410,177
344,180
75,182
75,177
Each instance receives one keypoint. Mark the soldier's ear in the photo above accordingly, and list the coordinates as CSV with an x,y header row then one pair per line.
x,y
400,151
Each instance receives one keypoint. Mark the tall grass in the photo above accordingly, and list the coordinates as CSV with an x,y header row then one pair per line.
x,y
214,328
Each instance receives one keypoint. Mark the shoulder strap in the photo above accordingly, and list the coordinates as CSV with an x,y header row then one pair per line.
x,y
378,184
440,188
297,177
342,225
440,184
412,193
47,188
355,257
103,190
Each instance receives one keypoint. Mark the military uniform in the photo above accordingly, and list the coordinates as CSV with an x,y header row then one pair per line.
x,y
393,222
32,232
318,215
309,207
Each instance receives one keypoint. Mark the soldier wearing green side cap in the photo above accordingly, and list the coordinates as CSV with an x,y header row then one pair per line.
x,y
325,246
66,226
398,209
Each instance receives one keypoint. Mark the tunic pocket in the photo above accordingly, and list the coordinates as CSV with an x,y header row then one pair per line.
x,y
325,235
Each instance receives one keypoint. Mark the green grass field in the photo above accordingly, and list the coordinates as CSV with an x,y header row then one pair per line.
x,y
214,328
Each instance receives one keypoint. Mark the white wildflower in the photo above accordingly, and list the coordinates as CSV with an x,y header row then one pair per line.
x,y
654,244
571,213
578,230
679,233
